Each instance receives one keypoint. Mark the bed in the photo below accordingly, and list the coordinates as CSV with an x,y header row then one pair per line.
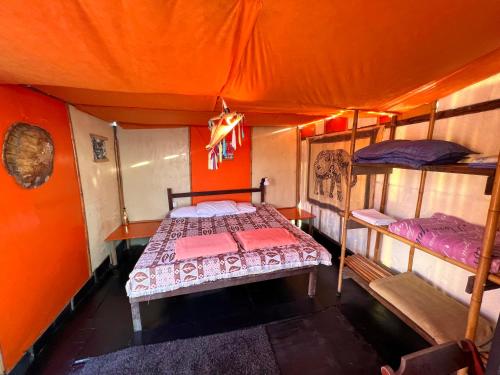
x,y
158,275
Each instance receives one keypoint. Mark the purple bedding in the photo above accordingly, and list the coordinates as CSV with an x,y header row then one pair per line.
x,y
450,236
412,153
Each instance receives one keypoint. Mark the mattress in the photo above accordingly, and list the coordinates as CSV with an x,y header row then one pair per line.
x,y
450,236
156,270
439,315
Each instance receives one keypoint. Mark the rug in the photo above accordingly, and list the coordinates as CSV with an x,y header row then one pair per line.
x,y
238,352
323,343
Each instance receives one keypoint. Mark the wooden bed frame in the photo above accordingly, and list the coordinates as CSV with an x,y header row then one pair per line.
x,y
224,283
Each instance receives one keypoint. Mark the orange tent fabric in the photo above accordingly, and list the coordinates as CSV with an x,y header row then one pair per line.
x,y
44,260
166,62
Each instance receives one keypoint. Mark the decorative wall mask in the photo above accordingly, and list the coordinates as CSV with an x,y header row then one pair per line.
x,y
99,147
28,154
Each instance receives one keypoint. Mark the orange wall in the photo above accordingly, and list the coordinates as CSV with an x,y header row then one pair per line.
x,y
232,174
43,254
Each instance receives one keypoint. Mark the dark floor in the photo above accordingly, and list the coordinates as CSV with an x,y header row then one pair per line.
x,y
102,323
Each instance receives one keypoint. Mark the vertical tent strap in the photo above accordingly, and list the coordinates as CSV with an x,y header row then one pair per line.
x,y
298,168
385,191
485,258
423,177
347,200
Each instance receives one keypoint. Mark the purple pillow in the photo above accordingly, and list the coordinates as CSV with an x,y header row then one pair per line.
x,y
391,160
414,152
433,150
380,149
414,163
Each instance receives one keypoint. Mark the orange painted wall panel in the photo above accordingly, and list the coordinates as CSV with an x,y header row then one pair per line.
x,y
232,174
308,131
337,124
43,254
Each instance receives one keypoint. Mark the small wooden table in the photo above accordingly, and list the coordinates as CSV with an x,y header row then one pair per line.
x,y
294,213
137,229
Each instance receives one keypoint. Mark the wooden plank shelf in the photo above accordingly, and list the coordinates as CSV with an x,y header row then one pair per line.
x,y
459,168
495,278
492,188
365,268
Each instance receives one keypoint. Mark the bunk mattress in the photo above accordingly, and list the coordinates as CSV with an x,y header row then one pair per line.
x,y
442,317
450,236
157,271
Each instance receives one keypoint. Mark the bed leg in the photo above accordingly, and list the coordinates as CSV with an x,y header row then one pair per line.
x,y
136,316
313,276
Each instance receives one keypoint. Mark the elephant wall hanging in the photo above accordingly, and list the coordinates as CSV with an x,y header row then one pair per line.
x,y
327,172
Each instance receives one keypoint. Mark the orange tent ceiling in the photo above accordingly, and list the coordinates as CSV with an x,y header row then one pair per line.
x,y
281,62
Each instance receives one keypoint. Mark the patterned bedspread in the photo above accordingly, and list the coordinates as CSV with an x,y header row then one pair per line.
x,y
450,236
156,271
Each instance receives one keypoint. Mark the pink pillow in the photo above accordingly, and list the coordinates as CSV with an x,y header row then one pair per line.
x,y
266,237
204,246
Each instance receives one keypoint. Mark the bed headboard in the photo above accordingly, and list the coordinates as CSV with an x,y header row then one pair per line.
x,y
171,196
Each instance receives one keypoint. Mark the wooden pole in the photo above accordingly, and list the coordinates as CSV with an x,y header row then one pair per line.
x,y
119,172
347,200
385,190
485,258
372,192
423,177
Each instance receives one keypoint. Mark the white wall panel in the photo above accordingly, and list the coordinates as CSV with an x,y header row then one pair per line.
x,y
153,160
274,155
99,183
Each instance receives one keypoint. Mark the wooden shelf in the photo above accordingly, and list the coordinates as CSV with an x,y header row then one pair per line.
x,y
294,213
378,168
365,268
492,277
138,229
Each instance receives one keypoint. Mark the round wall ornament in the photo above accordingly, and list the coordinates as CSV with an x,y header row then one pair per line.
x,y
28,154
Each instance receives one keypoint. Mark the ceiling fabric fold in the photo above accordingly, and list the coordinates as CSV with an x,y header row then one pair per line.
x,y
282,61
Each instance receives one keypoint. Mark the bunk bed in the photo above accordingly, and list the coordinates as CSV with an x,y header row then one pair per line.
x,y
373,274
158,274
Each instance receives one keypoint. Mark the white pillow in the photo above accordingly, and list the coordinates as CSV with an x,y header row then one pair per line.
x,y
245,207
216,208
188,211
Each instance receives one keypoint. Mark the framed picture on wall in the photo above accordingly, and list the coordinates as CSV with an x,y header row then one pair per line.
x,y
327,171
99,148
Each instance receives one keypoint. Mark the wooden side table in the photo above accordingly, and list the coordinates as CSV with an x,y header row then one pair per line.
x,y
137,229
294,213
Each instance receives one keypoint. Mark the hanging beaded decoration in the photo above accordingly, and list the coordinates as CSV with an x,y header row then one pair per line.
x,y
220,127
